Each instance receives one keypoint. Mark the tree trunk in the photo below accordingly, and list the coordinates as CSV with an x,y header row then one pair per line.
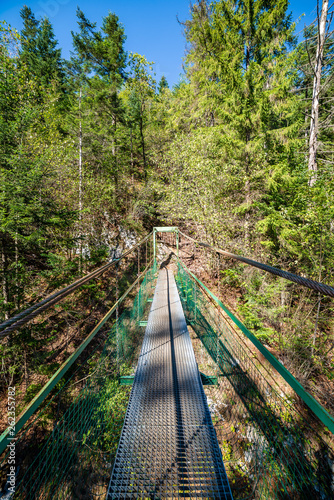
x,y
4,279
131,143
80,188
25,372
113,151
306,119
247,195
314,125
142,144
113,143
247,139
17,290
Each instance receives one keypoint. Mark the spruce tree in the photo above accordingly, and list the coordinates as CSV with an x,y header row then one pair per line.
x,y
39,49
29,34
49,63
101,52
163,84
239,48
100,59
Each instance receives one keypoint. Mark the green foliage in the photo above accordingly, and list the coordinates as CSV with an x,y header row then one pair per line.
x,y
38,49
32,219
163,84
232,277
31,391
233,163
101,51
49,370
113,407
223,153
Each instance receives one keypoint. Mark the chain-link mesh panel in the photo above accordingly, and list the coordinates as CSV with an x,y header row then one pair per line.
x,y
269,449
68,451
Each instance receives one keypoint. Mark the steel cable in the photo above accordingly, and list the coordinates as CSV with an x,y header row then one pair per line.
x,y
314,285
20,319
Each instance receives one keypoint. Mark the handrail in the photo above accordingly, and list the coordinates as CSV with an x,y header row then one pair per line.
x,y
45,391
314,285
309,400
23,317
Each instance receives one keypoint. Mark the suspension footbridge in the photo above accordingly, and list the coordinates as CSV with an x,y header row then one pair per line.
x,y
174,402
168,447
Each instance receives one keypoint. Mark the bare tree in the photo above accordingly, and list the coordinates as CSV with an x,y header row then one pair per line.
x,y
314,125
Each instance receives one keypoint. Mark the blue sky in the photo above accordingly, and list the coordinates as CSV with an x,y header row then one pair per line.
x,y
151,26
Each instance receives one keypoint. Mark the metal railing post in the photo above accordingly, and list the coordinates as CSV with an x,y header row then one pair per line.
x,y
177,243
154,246
218,273
195,286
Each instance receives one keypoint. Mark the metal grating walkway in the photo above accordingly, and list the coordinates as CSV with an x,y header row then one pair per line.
x,y
168,447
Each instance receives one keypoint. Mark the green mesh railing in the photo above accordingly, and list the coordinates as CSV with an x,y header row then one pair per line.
x,y
69,449
269,448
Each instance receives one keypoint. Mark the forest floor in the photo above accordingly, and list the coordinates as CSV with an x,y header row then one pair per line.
x,y
320,387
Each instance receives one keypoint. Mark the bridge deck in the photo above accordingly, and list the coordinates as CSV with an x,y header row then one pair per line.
x,y
168,447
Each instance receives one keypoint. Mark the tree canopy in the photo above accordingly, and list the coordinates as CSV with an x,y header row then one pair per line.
x,y
94,145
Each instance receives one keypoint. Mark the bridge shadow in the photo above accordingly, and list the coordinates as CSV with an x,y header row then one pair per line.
x,y
176,453
183,444
167,261
285,459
